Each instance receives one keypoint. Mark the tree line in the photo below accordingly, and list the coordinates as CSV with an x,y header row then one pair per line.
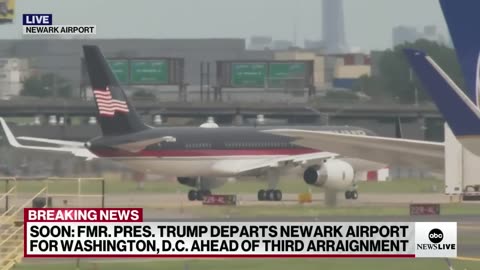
x,y
396,81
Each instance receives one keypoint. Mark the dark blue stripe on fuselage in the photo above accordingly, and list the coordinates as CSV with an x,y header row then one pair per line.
x,y
222,138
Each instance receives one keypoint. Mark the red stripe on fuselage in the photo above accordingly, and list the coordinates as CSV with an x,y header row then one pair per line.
x,y
205,152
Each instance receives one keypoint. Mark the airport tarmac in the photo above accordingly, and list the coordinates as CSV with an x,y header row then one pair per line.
x,y
165,206
177,200
157,200
468,225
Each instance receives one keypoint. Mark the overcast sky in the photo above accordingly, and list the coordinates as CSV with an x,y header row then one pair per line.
x,y
368,23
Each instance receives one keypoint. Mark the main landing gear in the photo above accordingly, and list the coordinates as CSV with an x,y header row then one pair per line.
x,y
197,195
269,195
351,195
272,193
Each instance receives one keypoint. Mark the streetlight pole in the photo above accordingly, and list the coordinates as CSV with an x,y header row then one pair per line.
x,y
415,90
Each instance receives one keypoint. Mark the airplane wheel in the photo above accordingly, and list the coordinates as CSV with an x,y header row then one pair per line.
x,y
270,194
200,195
261,195
354,195
277,195
192,195
348,195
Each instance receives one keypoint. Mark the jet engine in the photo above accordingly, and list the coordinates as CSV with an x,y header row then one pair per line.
x,y
334,174
202,183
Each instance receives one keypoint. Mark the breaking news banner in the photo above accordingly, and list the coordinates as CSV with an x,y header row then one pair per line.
x,y
121,232
42,24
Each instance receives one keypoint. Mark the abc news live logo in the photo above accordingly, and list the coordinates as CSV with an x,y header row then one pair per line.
x,y
436,239
42,24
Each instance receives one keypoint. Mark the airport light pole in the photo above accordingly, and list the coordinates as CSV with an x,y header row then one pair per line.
x,y
415,90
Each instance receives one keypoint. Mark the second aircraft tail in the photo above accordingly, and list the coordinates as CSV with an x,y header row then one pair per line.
x,y
459,111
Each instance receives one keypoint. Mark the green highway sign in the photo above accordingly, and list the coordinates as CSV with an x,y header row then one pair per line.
x,y
149,72
120,70
248,74
280,73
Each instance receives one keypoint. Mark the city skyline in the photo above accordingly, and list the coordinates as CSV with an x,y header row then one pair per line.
x,y
368,23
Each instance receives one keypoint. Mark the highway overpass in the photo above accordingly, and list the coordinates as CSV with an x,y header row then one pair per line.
x,y
419,122
47,107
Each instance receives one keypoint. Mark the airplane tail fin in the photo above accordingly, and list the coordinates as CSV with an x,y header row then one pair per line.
x,y
462,20
116,115
461,114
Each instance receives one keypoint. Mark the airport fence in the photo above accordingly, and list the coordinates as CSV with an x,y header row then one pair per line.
x,y
59,192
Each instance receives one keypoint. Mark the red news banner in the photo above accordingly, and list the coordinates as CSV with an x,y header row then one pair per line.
x,y
121,232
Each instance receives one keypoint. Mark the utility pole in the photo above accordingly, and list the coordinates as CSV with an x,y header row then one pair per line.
x,y
415,90
201,82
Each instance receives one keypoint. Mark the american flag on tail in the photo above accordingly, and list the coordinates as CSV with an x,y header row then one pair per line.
x,y
107,105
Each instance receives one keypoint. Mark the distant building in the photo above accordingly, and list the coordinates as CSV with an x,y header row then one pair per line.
x,y
430,32
333,30
12,73
313,44
403,34
350,67
63,56
333,27
318,63
343,70
282,45
375,58
260,43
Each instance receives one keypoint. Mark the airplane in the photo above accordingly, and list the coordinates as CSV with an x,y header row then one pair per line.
x,y
462,19
370,148
201,158
459,111
462,22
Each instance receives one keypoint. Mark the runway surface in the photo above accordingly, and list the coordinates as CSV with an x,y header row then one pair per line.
x,y
155,200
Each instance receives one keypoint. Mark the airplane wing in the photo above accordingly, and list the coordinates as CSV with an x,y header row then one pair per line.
x,y
131,147
249,167
52,141
75,148
392,151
